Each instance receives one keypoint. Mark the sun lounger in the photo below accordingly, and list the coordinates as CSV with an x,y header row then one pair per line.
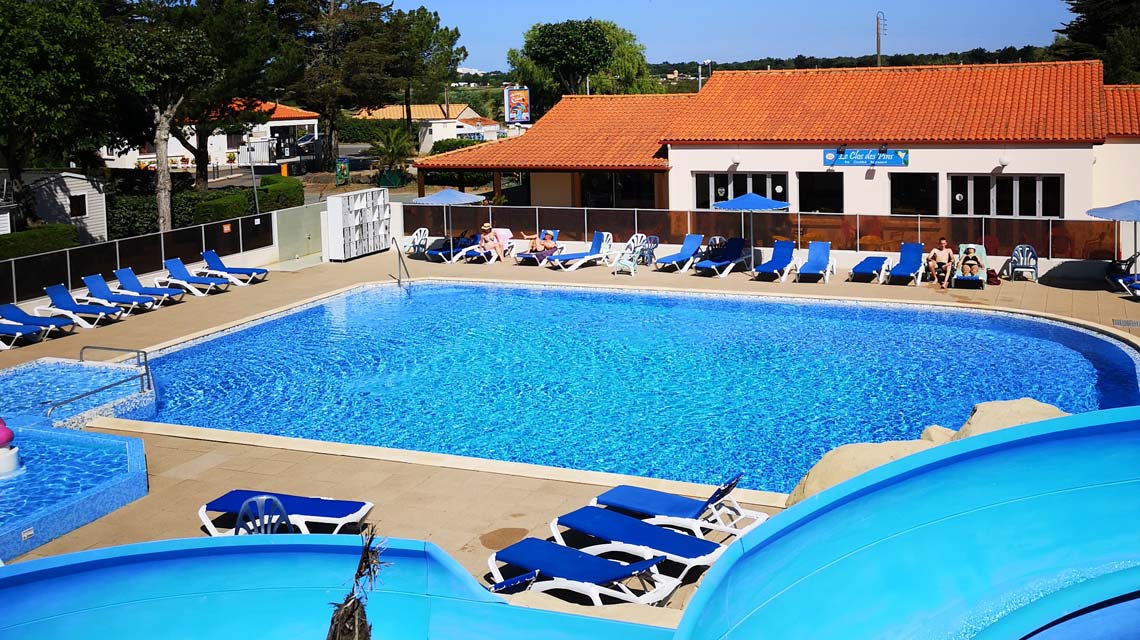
x,y
488,256
179,276
978,281
874,268
15,315
719,512
130,283
240,276
84,314
910,264
690,551
683,259
528,256
99,292
780,264
580,571
818,262
599,249
10,333
303,511
446,251
725,260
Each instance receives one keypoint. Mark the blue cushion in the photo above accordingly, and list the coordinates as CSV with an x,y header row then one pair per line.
x,y
651,503
19,330
295,505
869,266
610,525
557,561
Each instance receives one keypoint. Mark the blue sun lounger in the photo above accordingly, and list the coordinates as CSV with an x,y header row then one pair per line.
x,y
520,258
15,315
579,571
874,268
240,276
910,263
179,276
818,262
689,551
10,333
599,249
683,259
783,253
446,252
130,283
87,316
99,291
303,511
726,260
719,512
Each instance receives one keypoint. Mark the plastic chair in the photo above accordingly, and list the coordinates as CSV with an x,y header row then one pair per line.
x,y
714,245
1023,259
418,242
649,250
262,514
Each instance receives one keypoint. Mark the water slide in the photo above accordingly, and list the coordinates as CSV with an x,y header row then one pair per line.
x,y
1031,532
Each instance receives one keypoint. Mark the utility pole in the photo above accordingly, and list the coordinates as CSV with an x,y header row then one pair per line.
x,y
880,29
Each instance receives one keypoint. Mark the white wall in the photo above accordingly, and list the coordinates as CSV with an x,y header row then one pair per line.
x,y
551,189
436,130
868,191
53,204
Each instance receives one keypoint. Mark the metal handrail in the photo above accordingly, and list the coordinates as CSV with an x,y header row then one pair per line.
x,y
401,266
145,379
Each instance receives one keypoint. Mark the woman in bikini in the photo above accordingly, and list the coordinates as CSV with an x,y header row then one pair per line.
x,y
971,262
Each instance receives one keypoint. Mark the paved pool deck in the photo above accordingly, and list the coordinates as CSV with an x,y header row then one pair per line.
x,y
469,508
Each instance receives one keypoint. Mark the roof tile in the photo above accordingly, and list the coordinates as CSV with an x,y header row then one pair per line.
x,y
419,112
1122,104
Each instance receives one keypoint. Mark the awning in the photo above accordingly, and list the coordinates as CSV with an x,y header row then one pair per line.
x,y
449,196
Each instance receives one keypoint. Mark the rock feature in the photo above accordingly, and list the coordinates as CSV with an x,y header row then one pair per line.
x,y
846,462
937,434
1002,414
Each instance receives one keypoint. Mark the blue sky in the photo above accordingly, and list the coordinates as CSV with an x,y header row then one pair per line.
x,y
731,30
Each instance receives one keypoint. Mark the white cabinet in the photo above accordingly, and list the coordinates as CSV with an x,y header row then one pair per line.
x,y
357,224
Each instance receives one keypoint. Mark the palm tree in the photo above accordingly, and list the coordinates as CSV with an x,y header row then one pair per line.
x,y
393,148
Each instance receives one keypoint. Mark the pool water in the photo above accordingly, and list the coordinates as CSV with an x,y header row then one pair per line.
x,y
681,387
31,389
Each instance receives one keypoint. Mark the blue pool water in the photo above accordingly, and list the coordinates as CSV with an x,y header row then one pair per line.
x,y
31,389
679,387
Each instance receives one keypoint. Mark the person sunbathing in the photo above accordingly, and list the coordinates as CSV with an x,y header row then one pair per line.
x,y
489,240
940,262
972,262
543,247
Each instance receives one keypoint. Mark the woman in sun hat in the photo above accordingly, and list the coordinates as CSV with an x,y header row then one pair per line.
x,y
488,241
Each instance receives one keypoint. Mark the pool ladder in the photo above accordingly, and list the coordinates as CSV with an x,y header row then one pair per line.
x,y
402,272
144,378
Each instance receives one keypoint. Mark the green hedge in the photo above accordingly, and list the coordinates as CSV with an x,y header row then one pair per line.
x,y
455,178
129,215
49,237
363,130
280,193
234,205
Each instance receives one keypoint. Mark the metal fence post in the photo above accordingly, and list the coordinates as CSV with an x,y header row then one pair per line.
x,y
635,228
585,223
118,257
67,261
537,228
858,233
1050,239
798,231
241,239
919,229
203,247
15,294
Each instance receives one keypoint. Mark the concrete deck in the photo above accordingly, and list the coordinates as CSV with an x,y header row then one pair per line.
x,y
467,511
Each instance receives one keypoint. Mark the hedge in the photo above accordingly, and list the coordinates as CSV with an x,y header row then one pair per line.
x,y
141,182
363,130
455,178
49,237
227,207
135,215
280,192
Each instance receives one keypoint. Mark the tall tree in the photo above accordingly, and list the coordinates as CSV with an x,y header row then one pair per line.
x,y
59,68
349,53
570,51
172,61
242,37
1105,29
627,71
427,56
525,72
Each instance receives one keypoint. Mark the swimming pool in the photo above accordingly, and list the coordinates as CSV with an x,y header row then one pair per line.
x,y
684,387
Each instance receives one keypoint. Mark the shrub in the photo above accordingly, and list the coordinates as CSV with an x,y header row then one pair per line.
x,y
443,146
361,130
140,182
49,237
456,178
234,205
131,216
280,193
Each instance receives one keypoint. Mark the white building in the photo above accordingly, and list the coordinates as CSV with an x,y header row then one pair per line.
x,y
273,140
62,197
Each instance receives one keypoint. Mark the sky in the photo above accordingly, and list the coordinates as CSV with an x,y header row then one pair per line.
x,y
736,30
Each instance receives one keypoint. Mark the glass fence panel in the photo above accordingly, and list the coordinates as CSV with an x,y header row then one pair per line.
x,y
711,223
765,228
93,259
669,226
7,290
467,220
886,233
37,272
519,220
569,222
185,244
957,230
1003,234
223,237
256,232
423,215
143,254
838,229
620,222
1080,239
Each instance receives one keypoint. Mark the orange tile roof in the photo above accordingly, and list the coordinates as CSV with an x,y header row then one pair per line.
x,y
993,103
419,112
1122,102
278,111
579,133
475,122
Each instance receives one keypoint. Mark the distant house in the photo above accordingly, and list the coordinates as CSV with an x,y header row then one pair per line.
x,y
271,141
477,128
70,198
420,112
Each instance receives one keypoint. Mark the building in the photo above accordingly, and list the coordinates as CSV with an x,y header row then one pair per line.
x,y
442,122
62,197
420,112
271,141
1043,140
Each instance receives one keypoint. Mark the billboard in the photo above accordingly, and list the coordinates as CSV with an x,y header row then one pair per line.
x,y
516,104
866,158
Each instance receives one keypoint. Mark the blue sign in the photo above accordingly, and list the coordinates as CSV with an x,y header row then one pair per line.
x,y
866,158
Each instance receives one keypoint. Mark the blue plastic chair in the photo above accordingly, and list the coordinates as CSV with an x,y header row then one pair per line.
x,y
872,267
649,250
262,515
685,257
783,252
1024,260
910,263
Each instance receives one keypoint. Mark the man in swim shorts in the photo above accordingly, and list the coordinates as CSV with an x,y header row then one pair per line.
x,y
941,261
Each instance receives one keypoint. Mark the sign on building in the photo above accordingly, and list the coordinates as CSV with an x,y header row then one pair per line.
x,y
516,104
866,158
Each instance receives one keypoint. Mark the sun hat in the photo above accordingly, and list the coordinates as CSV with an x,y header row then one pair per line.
x,y
486,226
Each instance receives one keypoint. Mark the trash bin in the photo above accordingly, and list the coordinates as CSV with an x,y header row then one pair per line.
x,y
285,169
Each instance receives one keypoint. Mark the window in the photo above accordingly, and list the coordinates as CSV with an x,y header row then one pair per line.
x,y
914,193
1007,195
821,191
718,187
147,149
78,205
626,190
234,140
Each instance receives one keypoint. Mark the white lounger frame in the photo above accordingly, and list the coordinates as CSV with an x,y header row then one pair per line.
x,y
879,276
298,520
827,271
656,588
726,517
236,279
126,308
603,254
167,281
159,300
688,563
11,339
48,311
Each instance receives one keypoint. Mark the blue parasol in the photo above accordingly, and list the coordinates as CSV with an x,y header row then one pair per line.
x,y
751,202
449,196
1123,212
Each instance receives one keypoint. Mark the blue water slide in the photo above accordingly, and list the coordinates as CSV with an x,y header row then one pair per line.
x,y
994,536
